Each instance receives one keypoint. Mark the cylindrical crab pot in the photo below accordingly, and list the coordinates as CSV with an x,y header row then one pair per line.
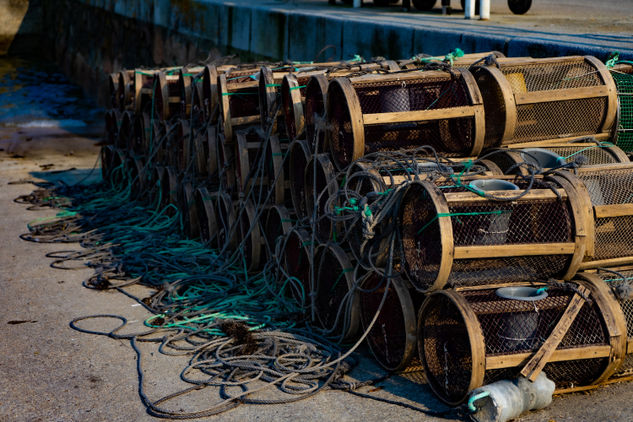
x,y
189,211
204,209
239,103
276,223
112,123
190,91
314,111
106,156
168,96
491,231
556,154
206,161
336,302
618,284
321,187
138,177
402,111
226,215
471,338
159,141
292,95
298,160
126,90
169,185
296,259
276,170
226,164
248,147
393,337
180,149
606,191
535,99
141,134
113,91
126,130
250,235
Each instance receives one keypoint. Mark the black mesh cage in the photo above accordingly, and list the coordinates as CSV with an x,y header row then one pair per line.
x,y
336,304
393,337
383,94
610,189
298,160
319,186
537,99
620,282
442,228
474,337
297,260
314,108
204,208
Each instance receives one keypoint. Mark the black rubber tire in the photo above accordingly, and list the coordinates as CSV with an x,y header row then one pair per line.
x,y
424,4
463,2
519,7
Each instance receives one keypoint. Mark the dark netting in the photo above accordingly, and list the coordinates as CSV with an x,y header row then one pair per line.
x,y
498,223
387,339
422,251
611,187
297,262
446,349
314,108
320,188
538,76
296,172
243,101
331,288
453,136
471,272
273,226
547,120
615,280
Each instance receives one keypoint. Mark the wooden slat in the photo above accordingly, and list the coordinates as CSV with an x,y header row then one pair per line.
x,y
537,362
514,360
419,115
246,120
534,194
606,263
617,210
560,94
629,347
498,251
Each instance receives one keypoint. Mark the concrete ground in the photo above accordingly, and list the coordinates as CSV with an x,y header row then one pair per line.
x,y
49,372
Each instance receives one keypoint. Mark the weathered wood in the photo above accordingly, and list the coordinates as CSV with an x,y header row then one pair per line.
x,y
536,364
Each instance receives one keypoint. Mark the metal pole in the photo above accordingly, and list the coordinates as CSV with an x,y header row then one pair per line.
x,y
469,9
484,10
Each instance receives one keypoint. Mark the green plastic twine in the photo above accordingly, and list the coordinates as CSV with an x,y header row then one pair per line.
x,y
457,214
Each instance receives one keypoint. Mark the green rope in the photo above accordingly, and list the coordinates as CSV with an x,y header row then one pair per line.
x,y
459,214
297,87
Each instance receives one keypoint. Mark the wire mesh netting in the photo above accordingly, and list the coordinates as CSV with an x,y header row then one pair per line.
x,y
624,136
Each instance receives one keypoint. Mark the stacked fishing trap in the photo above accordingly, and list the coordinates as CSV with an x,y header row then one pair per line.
x,y
473,215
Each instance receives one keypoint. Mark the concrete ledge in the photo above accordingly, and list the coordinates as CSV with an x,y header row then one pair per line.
x,y
299,30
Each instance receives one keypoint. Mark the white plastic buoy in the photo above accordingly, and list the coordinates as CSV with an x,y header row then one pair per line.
x,y
484,10
505,400
469,9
